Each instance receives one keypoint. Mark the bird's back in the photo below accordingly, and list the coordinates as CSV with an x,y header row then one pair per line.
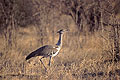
x,y
45,51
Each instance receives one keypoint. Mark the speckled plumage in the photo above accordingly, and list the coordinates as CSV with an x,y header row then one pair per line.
x,y
45,51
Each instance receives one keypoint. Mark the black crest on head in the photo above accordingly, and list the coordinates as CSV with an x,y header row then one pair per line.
x,y
62,31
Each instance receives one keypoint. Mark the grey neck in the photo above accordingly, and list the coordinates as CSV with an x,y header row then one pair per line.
x,y
59,43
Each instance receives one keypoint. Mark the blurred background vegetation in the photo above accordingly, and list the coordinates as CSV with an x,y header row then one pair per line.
x,y
91,49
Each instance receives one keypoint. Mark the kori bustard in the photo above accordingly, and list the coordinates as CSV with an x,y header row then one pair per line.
x,y
48,50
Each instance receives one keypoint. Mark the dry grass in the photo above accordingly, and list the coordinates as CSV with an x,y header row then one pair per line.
x,y
82,57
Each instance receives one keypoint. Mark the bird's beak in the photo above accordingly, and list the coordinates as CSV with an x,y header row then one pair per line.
x,y
66,30
57,31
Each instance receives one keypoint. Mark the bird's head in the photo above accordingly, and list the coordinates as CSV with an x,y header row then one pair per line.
x,y
61,31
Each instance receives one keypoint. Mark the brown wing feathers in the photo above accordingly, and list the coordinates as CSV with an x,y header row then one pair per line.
x,y
43,51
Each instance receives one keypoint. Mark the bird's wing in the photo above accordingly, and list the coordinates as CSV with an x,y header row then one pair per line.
x,y
45,51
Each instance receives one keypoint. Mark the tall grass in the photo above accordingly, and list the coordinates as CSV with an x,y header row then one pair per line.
x,y
80,55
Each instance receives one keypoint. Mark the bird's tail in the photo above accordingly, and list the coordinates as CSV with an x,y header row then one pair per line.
x,y
30,55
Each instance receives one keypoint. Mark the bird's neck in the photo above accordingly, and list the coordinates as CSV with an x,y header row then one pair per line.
x,y
59,43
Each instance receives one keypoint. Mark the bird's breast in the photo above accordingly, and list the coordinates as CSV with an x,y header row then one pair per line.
x,y
58,49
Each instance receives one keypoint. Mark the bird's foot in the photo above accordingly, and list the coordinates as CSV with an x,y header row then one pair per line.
x,y
45,69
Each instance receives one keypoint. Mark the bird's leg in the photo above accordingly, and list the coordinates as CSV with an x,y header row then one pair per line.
x,y
50,60
43,63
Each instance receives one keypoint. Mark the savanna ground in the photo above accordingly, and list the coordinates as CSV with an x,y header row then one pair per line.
x,y
90,49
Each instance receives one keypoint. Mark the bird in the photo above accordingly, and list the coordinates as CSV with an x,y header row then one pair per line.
x,y
48,50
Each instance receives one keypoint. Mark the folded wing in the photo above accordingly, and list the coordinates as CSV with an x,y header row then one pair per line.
x,y
44,51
